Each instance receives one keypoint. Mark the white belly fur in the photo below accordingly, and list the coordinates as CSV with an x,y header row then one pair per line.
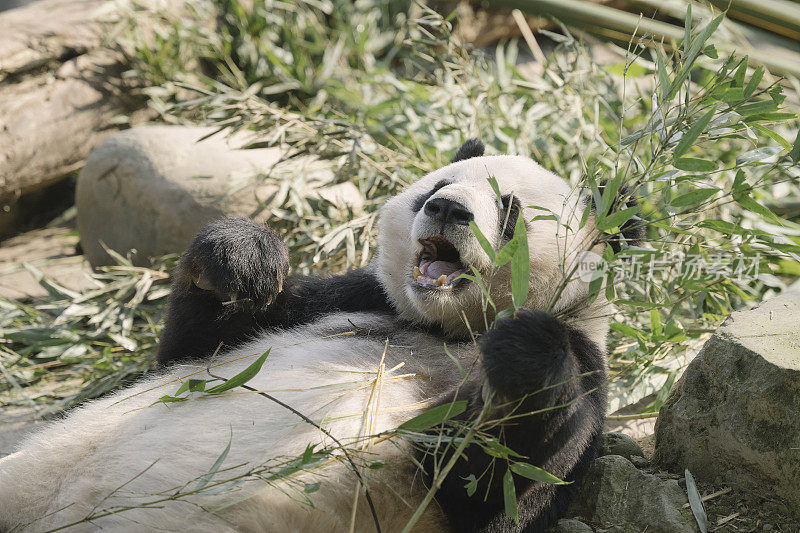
x,y
77,465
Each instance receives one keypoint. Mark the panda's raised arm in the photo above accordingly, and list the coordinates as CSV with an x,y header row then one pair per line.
x,y
548,407
233,280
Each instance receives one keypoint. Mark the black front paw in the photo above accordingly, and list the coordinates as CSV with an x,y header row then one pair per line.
x,y
238,260
524,353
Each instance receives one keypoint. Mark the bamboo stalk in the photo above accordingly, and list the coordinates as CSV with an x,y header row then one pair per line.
x,y
590,16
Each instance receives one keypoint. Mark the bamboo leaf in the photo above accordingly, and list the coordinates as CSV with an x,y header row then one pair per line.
x,y
520,265
242,377
472,484
695,502
693,133
691,55
617,219
205,478
482,240
692,164
693,197
510,497
655,323
794,154
536,474
434,417
752,83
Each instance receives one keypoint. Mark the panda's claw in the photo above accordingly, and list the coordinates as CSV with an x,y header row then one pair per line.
x,y
239,262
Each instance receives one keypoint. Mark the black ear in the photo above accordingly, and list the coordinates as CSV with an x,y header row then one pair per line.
x,y
471,148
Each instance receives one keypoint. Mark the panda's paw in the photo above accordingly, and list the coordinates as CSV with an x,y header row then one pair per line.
x,y
241,262
521,353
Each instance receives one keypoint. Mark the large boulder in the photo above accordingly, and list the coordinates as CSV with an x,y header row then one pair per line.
x,y
735,412
615,496
147,191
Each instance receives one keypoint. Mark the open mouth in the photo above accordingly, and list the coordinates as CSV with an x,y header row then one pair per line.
x,y
438,264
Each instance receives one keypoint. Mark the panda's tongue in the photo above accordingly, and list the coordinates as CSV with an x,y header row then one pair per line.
x,y
439,268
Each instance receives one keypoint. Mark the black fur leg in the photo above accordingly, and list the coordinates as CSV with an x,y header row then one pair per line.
x,y
527,350
232,282
232,268
240,261
536,365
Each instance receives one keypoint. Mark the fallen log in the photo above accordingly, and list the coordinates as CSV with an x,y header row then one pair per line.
x,y
60,94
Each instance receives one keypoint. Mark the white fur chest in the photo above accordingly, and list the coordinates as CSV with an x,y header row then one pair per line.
x,y
122,452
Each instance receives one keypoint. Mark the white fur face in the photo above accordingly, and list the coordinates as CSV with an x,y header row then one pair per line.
x,y
553,245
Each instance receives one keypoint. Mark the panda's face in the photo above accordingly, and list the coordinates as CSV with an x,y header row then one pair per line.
x,y
426,243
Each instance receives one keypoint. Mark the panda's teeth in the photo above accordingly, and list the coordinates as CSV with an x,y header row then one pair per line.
x,y
441,281
453,276
417,273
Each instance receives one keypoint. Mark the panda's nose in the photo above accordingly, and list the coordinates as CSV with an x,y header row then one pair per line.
x,y
448,211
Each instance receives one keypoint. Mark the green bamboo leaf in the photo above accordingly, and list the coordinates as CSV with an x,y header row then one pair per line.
x,y
453,358
687,27
692,164
693,197
520,265
309,488
655,323
629,70
794,154
721,226
510,497
205,478
482,240
752,83
496,188
691,55
495,449
693,133
738,77
472,484
308,454
609,195
169,399
242,377
756,108
627,330
617,219
193,385
775,136
663,77
536,474
434,417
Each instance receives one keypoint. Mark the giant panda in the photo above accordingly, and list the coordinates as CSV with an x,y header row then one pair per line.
x,y
350,358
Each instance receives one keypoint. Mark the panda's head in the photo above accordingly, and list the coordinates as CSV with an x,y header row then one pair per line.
x,y
425,242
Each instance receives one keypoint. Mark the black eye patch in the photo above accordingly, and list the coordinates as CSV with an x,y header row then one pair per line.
x,y
508,215
421,199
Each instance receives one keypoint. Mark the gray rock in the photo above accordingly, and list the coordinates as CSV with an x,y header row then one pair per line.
x,y
614,494
621,444
151,189
734,413
570,525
